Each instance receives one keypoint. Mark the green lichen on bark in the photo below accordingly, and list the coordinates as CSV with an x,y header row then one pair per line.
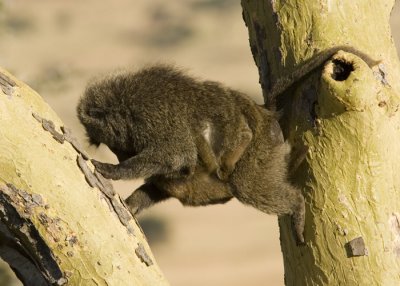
x,y
86,238
351,126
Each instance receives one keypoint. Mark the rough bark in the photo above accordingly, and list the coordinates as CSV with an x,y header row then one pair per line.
x,y
347,114
61,223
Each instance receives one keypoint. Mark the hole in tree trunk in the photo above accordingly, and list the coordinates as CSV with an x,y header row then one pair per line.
x,y
341,70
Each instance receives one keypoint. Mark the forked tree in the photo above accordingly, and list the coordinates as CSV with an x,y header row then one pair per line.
x,y
62,223
346,114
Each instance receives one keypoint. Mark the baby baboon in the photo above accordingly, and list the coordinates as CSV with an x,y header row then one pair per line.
x,y
197,141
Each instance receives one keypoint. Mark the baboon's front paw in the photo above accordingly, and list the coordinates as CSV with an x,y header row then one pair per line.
x,y
107,170
133,206
134,210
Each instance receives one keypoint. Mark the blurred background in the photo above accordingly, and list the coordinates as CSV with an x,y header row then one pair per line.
x,y
56,46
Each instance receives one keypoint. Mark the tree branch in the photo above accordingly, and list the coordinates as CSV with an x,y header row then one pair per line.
x,y
61,221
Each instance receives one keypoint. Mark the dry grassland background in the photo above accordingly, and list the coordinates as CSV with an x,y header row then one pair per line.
x,y
57,46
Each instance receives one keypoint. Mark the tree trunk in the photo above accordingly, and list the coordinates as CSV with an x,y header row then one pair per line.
x,y
61,222
347,115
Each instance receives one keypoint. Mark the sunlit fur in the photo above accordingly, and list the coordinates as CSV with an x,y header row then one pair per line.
x,y
197,141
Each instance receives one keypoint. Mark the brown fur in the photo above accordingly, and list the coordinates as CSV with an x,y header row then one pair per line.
x,y
199,142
